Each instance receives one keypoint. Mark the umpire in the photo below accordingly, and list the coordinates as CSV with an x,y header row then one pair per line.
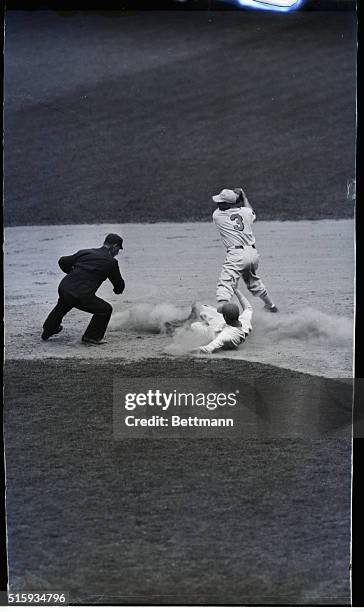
x,y
86,270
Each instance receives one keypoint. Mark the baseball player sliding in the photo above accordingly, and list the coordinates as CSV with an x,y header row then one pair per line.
x,y
234,218
217,331
224,331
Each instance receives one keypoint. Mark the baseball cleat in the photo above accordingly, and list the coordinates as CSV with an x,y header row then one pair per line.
x,y
271,308
87,340
45,336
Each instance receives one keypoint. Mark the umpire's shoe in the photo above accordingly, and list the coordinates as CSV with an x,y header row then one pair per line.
x,y
45,336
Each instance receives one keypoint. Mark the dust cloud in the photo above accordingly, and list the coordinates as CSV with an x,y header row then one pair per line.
x,y
150,318
307,326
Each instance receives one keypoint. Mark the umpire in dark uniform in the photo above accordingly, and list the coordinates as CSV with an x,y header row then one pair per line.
x,y
86,270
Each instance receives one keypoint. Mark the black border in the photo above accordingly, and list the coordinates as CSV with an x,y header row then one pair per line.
x,y
3,547
69,6
358,443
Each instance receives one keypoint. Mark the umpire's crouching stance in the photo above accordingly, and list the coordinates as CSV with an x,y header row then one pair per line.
x,y
86,270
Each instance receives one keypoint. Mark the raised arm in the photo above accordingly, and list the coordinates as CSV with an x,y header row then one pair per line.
x,y
244,302
247,314
245,202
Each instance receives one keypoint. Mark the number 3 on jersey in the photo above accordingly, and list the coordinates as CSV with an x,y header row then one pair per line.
x,y
238,222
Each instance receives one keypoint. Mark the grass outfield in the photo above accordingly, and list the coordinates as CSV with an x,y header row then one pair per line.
x,y
250,521
141,118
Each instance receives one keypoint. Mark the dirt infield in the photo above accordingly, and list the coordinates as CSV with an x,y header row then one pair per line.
x,y
308,267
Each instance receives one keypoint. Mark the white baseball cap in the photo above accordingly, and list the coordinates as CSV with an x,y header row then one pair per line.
x,y
226,195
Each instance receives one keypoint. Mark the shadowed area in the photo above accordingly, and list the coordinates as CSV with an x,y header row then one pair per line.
x,y
264,519
142,117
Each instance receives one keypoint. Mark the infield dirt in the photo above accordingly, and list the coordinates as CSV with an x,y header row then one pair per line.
x,y
308,267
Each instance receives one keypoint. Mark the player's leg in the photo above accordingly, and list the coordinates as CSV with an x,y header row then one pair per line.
x,y
101,311
52,324
255,284
228,279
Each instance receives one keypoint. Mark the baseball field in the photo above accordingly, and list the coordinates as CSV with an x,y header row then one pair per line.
x,y
129,123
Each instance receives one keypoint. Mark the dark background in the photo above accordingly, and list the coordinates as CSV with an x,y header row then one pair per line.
x,y
259,520
216,5
141,116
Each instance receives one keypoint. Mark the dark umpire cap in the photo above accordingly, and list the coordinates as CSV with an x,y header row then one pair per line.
x,y
114,239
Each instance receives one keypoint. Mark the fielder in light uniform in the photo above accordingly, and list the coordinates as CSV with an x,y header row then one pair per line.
x,y
234,219
226,330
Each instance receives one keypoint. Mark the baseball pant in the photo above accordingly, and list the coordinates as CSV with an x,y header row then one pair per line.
x,y
100,309
240,263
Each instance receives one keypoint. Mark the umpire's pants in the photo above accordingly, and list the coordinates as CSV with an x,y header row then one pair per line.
x,y
100,309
